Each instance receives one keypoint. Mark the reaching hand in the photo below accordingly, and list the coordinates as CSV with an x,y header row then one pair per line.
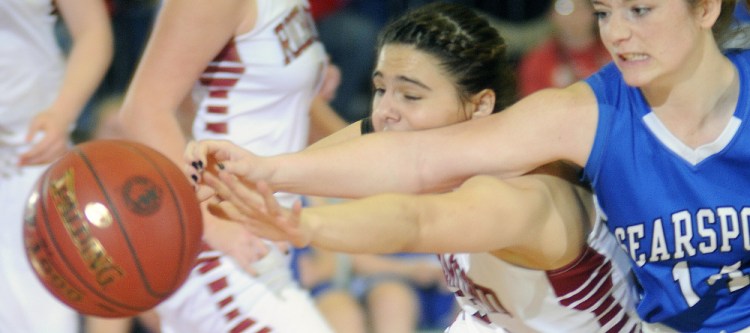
x,y
255,206
234,240
220,155
54,139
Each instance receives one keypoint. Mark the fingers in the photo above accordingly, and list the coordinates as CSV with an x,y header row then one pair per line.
x,y
208,155
44,152
202,151
272,205
34,128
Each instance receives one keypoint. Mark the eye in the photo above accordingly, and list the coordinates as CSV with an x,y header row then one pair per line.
x,y
412,98
601,15
378,91
640,10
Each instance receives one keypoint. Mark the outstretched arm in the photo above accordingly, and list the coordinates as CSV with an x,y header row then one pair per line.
x,y
484,214
555,124
89,58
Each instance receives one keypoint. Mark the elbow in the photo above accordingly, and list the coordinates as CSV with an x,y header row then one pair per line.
x,y
431,180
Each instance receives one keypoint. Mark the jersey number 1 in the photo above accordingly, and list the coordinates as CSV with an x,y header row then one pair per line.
x,y
681,274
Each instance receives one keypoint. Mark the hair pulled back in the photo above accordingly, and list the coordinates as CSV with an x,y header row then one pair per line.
x,y
467,47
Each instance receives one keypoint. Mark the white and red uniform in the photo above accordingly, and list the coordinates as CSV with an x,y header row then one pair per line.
x,y
256,93
32,67
593,294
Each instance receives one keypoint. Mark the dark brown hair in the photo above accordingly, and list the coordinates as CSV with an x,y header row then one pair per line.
x,y
468,48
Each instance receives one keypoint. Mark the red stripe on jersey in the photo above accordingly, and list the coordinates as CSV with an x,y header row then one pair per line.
x,y
242,326
218,82
586,285
218,93
208,265
217,109
621,324
265,330
232,314
228,53
220,128
226,301
218,285
224,69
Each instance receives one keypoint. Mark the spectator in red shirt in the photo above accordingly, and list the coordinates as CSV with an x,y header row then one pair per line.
x,y
572,52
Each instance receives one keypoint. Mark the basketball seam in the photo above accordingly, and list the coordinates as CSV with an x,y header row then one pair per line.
x,y
64,258
125,235
178,204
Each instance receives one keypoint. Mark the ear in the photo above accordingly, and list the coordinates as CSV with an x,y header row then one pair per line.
x,y
708,12
484,103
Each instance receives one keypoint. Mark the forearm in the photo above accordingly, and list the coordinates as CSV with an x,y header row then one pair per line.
x,y
87,62
506,144
366,165
381,224
187,35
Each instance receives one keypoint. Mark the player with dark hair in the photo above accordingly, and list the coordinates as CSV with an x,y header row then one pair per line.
x,y
532,255
660,131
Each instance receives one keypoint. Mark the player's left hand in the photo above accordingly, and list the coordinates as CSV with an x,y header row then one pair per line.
x,y
234,240
49,134
255,206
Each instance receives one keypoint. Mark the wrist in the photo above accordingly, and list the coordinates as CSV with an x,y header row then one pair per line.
x,y
308,226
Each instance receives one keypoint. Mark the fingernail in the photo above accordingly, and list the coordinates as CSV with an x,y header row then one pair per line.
x,y
200,164
194,177
195,165
221,166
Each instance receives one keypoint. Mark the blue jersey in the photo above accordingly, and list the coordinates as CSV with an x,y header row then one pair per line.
x,y
681,214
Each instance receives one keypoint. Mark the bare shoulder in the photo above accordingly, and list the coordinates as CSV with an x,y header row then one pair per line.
x,y
250,8
570,117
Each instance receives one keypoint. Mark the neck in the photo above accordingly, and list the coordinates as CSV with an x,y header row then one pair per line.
x,y
697,85
697,109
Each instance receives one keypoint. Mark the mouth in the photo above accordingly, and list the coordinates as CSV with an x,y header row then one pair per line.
x,y
632,57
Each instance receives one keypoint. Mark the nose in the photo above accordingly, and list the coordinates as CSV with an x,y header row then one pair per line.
x,y
384,110
616,29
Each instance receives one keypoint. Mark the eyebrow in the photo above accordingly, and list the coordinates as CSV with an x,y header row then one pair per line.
x,y
594,2
403,78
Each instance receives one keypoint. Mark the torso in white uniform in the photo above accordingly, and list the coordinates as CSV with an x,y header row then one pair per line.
x,y
31,63
256,93
593,294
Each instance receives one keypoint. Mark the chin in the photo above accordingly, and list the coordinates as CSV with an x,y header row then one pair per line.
x,y
635,80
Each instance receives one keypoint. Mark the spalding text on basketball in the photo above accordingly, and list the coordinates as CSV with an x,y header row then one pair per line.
x,y
99,263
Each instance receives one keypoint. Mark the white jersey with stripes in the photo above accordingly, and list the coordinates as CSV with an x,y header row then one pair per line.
x,y
256,93
595,293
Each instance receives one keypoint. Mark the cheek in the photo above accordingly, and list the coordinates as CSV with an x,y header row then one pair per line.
x,y
434,118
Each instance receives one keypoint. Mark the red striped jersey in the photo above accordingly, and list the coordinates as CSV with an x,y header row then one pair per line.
x,y
594,293
257,91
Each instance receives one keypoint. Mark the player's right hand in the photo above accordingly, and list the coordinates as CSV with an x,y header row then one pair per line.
x,y
215,156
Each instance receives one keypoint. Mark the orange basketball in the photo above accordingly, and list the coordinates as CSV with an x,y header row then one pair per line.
x,y
112,228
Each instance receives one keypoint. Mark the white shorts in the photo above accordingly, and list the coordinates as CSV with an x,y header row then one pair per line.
x,y
25,304
220,297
